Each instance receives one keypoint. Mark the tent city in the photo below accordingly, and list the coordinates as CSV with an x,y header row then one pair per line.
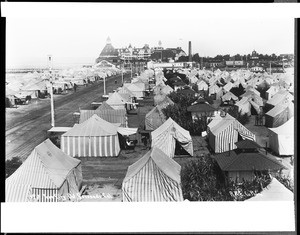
x,y
152,123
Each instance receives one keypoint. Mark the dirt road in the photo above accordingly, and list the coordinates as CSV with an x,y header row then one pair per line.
x,y
27,126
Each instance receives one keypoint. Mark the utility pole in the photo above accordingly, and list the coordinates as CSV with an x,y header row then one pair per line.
x,y
122,66
51,90
131,69
104,90
270,69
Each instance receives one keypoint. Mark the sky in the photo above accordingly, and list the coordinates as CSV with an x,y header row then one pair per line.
x,y
73,39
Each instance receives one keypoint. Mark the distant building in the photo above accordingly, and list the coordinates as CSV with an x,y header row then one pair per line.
x,y
178,52
108,53
254,55
235,63
257,69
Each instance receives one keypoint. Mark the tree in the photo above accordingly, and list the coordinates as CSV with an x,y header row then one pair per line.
x,y
195,87
196,58
242,118
178,112
183,59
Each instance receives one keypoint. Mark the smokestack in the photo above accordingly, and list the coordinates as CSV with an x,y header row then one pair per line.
x,y
190,51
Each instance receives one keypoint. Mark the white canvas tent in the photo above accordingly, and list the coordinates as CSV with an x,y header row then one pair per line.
x,y
244,106
153,178
275,191
47,174
165,136
229,96
281,139
202,85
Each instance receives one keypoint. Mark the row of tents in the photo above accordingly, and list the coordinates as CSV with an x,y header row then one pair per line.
x,y
40,179
20,88
154,177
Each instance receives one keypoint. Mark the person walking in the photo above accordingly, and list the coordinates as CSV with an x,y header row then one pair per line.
x,y
75,86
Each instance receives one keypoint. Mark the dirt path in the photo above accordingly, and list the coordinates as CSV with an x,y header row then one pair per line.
x,y
27,126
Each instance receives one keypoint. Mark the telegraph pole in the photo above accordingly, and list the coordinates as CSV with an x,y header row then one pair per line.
x,y
122,66
104,90
51,90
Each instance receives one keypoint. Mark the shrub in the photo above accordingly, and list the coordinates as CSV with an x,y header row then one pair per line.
x,y
285,181
203,180
11,166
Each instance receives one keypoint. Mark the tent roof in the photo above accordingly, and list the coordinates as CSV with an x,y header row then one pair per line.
x,y
104,106
229,95
279,97
46,167
165,127
94,126
127,130
275,191
186,90
244,161
219,123
163,162
116,99
111,116
247,144
201,107
279,108
124,89
286,128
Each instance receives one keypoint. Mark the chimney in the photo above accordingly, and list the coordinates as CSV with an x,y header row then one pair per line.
x,y
190,51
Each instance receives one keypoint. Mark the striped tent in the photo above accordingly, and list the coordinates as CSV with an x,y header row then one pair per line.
x,y
125,90
138,89
116,101
155,118
281,97
112,116
47,175
104,106
279,115
153,178
165,137
223,133
94,137
17,192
